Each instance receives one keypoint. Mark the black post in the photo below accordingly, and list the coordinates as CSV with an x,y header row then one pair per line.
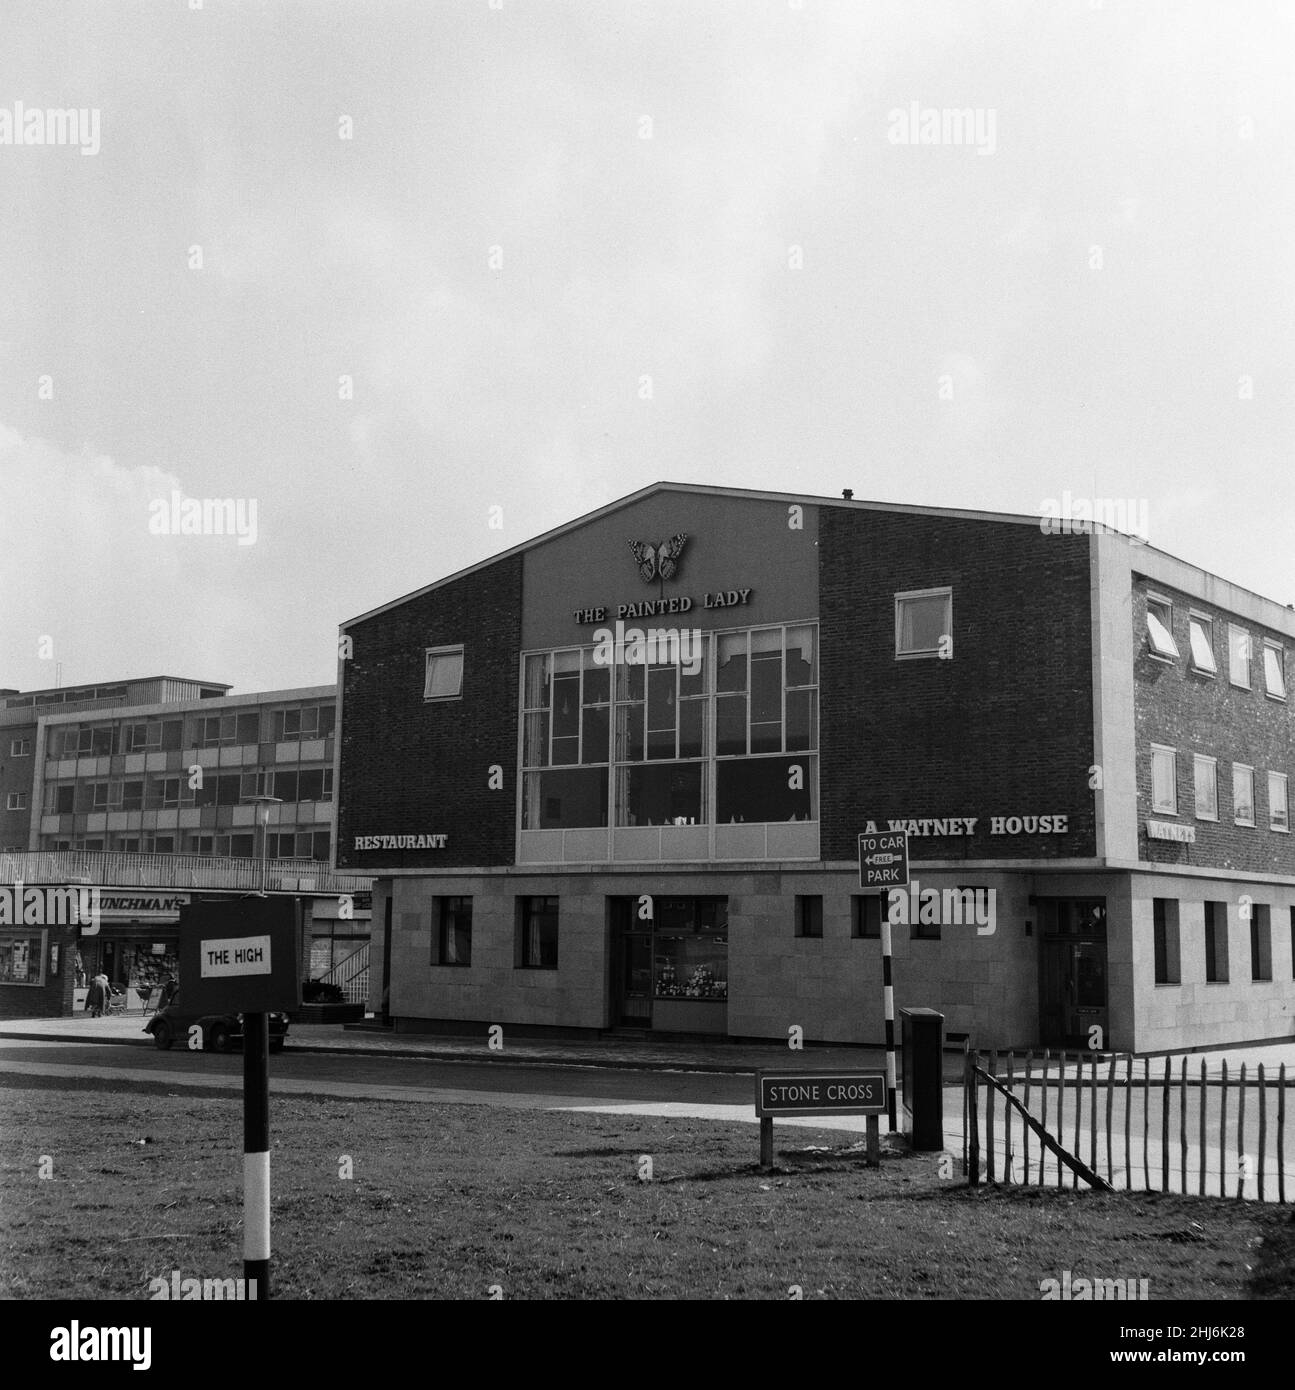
x,y
256,1155
766,1141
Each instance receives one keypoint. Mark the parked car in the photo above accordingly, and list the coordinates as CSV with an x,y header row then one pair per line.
x,y
220,1032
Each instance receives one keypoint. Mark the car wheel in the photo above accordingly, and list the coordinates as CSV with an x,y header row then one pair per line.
x,y
218,1037
162,1036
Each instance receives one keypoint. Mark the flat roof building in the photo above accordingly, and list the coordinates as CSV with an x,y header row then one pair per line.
x,y
146,790
615,777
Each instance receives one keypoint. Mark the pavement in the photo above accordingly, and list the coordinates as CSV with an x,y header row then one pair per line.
x,y
654,1054
650,1053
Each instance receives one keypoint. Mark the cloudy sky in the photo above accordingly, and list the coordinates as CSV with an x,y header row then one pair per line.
x,y
379,268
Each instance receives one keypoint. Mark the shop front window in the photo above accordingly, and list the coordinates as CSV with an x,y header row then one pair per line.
x,y
20,960
690,948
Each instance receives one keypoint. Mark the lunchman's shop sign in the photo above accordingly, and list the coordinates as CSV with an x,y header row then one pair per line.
x,y
400,841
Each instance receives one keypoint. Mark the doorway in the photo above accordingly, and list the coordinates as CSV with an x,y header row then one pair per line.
x,y
1073,998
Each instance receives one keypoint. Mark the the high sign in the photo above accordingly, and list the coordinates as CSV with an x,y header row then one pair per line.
x,y
240,955
883,859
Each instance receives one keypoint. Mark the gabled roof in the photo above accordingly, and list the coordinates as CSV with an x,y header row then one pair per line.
x,y
696,489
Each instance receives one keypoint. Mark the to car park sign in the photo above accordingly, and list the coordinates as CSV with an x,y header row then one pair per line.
x,y
883,859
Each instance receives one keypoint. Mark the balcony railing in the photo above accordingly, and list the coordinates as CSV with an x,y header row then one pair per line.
x,y
183,871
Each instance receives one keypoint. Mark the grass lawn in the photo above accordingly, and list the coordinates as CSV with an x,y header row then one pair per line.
x,y
446,1201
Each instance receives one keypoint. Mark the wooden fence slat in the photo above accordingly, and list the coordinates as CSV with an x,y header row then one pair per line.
x,y
1223,1131
1146,1123
973,1120
1241,1132
1263,1127
1164,1127
1182,1121
1281,1133
1008,1175
1079,1111
1092,1109
989,1116
1044,1118
1025,1138
966,1107
1204,1098
1110,1101
1127,1112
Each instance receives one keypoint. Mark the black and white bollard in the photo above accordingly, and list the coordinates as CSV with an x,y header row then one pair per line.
x,y
256,1155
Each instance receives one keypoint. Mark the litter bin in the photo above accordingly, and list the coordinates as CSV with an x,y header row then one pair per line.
x,y
922,1043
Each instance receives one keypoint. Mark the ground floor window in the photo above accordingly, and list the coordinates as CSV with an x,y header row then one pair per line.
x,y
1165,930
453,941
537,933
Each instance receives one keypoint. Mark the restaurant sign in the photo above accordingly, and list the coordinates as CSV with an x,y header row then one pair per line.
x,y
400,841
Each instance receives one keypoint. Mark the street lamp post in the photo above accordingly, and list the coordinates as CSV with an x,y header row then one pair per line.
x,y
263,804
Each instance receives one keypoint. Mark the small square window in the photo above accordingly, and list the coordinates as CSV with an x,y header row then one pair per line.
x,y
809,914
1164,780
1202,634
17,801
924,623
19,747
1207,788
865,916
1274,670
1278,810
1160,629
444,676
1243,794
1239,656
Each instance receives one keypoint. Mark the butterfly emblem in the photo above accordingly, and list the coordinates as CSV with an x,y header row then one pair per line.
x,y
658,561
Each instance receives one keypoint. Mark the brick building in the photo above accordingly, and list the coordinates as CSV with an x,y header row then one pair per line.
x,y
614,778
146,788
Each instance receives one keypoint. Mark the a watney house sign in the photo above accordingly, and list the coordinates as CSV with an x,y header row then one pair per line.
x,y
658,563
966,825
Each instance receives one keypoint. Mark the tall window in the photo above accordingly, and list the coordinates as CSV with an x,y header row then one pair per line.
x,y
1164,780
1278,811
453,940
443,678
1165,931
1261,942
1238,655
1216,942
1243,794
1160,628
1207,788
923,622
1274,670
1201,630
565,741
865,916
537,933
809,914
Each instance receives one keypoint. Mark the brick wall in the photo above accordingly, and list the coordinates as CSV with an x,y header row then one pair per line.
x,y
53,999
1194,713
411,767
1003,728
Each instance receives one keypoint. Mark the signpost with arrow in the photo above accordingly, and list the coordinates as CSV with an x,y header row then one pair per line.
x,y
883,863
